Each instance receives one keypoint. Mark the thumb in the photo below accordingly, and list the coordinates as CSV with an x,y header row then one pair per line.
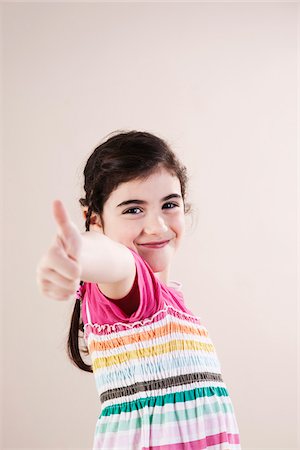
x,y
61,217
67,231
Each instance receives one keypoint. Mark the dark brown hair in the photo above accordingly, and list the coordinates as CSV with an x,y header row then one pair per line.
x,y
122,157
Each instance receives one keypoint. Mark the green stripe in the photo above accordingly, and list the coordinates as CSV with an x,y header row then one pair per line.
x,y
159,418
176,397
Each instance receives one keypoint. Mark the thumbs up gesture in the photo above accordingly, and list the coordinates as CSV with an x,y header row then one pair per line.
x,y
59,270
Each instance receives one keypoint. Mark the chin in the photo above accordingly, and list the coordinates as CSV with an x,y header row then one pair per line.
x,y
159,261
156,266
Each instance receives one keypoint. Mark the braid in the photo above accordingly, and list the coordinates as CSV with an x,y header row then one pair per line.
x,y
91,208
88,217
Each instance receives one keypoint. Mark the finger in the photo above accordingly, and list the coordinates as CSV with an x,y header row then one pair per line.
x,y
57,260
49,286
71,246
61,217
57,294
51,276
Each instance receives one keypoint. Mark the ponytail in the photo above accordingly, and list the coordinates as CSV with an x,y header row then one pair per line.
x,y
73,340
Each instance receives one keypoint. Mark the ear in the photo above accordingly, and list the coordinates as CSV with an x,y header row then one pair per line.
x,y
95,222
84,214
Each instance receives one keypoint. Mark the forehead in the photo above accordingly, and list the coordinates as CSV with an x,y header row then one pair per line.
x,y
156,186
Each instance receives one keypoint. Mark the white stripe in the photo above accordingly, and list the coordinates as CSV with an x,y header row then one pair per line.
x,y
169,407
88,312
159,366
169,433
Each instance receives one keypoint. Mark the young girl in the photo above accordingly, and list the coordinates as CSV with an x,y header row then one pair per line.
x,y
156,370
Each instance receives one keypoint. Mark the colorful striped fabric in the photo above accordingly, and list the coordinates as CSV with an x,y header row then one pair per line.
x,y
159,382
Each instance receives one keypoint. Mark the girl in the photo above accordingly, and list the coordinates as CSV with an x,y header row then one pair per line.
x,y
156,370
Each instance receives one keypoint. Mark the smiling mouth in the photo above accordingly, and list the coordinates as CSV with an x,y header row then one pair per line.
x,y
155,244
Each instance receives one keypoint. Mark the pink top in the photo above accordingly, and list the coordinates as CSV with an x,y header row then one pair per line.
x,y
147,296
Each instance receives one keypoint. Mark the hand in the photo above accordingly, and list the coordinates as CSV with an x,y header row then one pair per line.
x,y
59,270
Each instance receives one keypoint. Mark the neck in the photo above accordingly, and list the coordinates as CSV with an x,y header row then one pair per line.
x,y
163,276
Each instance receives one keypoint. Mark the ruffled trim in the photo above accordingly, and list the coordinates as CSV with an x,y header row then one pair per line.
x,y
120,326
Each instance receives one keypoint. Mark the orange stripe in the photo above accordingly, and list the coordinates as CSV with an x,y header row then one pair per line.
x,y
156,350
145,336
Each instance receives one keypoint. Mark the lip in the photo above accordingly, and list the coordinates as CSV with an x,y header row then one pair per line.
x,y
156,244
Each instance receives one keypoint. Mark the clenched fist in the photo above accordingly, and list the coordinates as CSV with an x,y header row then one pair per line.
x,y
59,270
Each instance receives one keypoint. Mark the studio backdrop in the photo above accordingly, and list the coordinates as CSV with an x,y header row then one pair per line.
x,y
218,82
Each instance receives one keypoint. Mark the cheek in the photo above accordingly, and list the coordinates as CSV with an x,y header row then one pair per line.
x,y
127,233
182,222
112,230
179,224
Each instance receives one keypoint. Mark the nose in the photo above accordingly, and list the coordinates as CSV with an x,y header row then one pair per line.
x,y
155,224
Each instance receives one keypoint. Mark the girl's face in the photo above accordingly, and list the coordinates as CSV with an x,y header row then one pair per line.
x,y
148,217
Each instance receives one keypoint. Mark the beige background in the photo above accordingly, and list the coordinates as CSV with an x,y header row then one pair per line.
x,y
219,82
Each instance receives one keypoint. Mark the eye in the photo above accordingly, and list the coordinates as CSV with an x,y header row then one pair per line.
x,y
173,205
130,211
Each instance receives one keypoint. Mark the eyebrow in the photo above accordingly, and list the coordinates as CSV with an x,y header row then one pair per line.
x,y
143,202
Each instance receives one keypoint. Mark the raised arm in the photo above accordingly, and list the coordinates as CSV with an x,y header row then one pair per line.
x,y
89,256
108,263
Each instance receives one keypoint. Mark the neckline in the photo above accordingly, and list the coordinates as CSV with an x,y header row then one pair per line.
x,y
174,284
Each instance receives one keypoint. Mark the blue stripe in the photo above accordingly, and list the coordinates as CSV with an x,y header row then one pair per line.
x,y
122,374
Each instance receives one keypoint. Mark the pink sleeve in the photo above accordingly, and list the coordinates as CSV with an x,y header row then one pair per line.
x,y
145,297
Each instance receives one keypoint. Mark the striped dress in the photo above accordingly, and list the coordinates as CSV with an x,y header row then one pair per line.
x,y
157,373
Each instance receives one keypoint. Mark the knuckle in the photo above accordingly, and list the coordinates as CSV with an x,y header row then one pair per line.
x,y
64,296
72,287
54,251
75,272
39,270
